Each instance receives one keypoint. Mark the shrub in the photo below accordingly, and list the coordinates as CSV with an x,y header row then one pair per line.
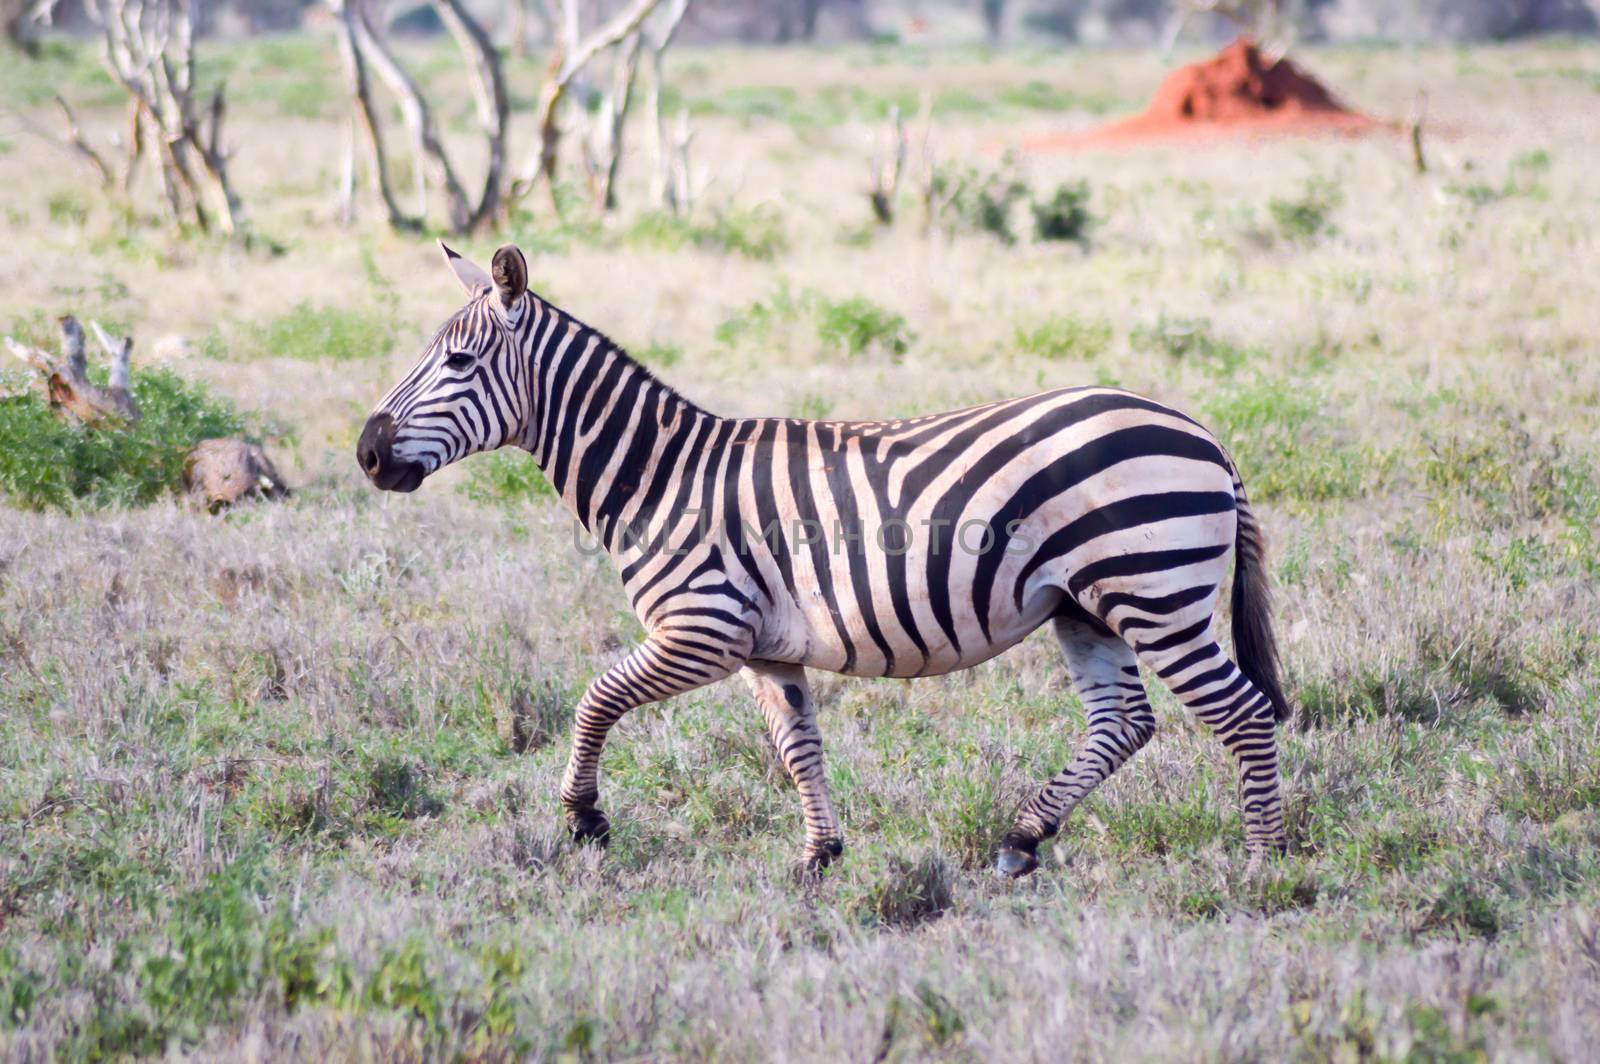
x,y
507,477
757,322
909,893
67,207
398,789
851,326
1065,215
1305,217
1064,336
855,324
45,462
978,201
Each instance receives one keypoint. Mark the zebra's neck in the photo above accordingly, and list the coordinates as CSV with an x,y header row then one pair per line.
x,y
605,431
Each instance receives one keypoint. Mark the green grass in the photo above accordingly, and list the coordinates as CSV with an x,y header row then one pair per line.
x,y
750,232
1288,444
310,332
848,327
285,784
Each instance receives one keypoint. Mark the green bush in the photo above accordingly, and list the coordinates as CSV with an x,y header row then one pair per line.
x,y
1065,215
855,324
757,322
1064,336
978,201
508,477
45,462
1305,217
1189,338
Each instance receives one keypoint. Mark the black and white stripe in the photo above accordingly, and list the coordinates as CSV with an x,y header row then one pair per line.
x,y
766,546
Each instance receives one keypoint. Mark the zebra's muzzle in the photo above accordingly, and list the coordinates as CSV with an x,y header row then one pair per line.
x,y
375,455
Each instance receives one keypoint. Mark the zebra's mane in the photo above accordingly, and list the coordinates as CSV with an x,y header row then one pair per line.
x,y
609,346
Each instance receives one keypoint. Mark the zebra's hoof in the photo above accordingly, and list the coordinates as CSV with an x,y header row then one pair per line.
x,y
591,827
1014,863
817,861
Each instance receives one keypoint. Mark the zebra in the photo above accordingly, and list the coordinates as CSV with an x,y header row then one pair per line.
x,y
897,548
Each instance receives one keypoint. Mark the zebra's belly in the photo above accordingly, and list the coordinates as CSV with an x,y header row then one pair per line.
x,y
845,641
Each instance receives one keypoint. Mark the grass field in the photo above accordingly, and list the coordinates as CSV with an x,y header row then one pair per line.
x,y
282,784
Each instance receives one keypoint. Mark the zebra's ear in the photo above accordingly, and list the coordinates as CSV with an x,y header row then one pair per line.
x,y
472,277
510,275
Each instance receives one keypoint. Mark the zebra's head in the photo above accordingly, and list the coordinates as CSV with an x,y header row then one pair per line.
x,y
468,391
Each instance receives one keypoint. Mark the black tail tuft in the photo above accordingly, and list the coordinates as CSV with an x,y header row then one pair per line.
x,y
1254,646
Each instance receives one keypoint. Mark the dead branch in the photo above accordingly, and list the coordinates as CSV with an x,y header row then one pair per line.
x,y
683,190
1419,115
79,143
66,380
489,89
74,141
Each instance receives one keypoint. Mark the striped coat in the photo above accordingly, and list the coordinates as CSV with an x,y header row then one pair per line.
x,y
767,546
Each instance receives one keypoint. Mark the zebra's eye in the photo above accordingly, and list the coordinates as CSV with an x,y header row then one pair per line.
x,y
460,359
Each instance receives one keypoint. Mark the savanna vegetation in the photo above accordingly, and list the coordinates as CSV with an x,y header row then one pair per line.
x,y
282,783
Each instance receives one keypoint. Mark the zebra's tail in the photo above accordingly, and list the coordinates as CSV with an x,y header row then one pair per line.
x,y
1254,645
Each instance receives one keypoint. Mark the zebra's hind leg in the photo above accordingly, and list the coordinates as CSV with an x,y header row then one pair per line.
x,y
1105,673
1210,685
785,700
665,664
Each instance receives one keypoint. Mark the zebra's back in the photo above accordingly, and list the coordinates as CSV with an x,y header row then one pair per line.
x,y
914,547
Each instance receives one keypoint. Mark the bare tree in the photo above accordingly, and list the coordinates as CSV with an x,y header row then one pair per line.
x,y
14,16
994,18
1269,22
670,158
368,57
603,145
148,47
352,28
602,148
573,52
363,46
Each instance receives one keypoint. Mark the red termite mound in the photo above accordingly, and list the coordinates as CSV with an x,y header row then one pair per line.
x,y
1237,91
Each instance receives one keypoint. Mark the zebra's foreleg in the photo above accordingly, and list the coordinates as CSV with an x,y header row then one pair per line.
x,y
785,700
1105,673
665,664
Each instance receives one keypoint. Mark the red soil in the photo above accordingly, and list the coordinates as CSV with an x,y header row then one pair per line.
x,y
1234,93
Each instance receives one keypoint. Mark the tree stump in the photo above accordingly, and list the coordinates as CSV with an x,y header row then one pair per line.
x,y
219,473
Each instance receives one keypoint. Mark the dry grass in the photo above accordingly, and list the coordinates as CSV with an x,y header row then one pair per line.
x,y
283,784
